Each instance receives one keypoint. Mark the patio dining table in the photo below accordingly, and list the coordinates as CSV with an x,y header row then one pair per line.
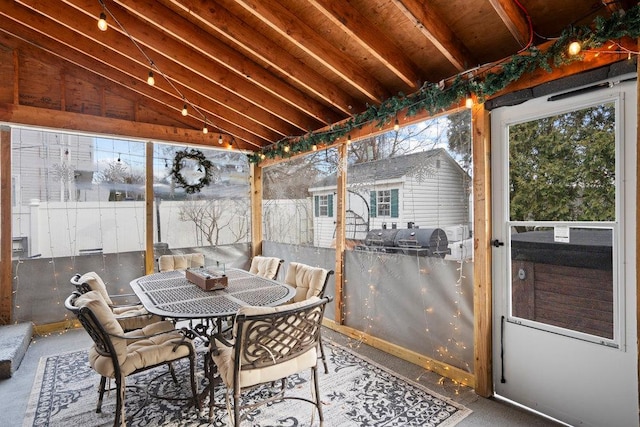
x,y
171,295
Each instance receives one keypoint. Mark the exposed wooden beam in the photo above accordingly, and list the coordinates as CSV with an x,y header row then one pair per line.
x,y
256,210
6,243
129,74
590,61
208,46
175,62
482,285
513,18
341,221
104,125
346,17
219,21
149,201
433,28
120,80
295,31
193,38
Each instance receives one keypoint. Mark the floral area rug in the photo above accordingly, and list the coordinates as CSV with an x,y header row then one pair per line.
x,y
355,392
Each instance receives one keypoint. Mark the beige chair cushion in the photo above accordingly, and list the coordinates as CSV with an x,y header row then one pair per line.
x,y
132,353
180,262
224,360
93,301
307,280
96,283
131,316
265,266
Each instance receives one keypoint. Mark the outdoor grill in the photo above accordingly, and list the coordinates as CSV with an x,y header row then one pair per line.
x,y
431,242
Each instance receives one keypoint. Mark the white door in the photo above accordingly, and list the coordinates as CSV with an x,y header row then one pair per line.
x,y
563,179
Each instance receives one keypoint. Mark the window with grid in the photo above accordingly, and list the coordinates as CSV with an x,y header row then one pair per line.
x,y
323,205
384,203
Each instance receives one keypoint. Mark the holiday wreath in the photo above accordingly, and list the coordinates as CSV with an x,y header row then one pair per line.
x,y
194,162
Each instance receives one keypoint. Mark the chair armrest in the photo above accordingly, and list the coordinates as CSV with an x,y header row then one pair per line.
x,y
218,338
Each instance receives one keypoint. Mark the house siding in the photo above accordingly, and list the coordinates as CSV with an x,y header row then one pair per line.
x,y
439,199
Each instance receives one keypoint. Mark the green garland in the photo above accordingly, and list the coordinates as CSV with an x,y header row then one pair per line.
x,y
434,97
203,162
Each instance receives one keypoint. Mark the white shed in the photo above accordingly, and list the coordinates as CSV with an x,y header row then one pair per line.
x,y
426,190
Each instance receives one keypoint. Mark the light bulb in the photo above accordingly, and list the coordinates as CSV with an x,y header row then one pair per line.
x,y
574,48
230,146
150,80
396,125
184,110
348,139
286,148
102,22
314,147
205,130
469,102
262,156
220,139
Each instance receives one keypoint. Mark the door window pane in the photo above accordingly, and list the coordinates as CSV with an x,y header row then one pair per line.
x,y
562,193
562,167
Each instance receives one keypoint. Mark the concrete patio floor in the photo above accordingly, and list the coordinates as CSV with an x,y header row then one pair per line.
x,y
15,391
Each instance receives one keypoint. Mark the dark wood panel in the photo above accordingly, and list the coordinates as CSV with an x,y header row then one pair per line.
x,y
81,97
580,299
6,74
39,84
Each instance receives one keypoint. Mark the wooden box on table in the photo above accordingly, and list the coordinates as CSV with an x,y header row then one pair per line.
x,y
207,279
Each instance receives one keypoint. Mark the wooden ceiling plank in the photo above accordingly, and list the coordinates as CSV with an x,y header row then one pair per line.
x,y
72,43
512,16
293,29
220,21
353,23
179,63
433,28
225,102
181,29
105,70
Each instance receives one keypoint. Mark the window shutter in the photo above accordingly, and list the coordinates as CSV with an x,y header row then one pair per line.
x,y
330,205
394,203
374,205
316,205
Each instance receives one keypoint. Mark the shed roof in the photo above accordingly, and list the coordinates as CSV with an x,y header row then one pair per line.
x,y
392,168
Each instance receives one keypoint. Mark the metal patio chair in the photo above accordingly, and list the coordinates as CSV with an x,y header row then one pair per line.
x,y
269,344
117,354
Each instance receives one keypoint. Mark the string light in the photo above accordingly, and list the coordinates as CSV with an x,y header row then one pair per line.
x,y
220,139
205,130
286,148
150,80
396,125
574,48
314,147
102,22
469,102
349,139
